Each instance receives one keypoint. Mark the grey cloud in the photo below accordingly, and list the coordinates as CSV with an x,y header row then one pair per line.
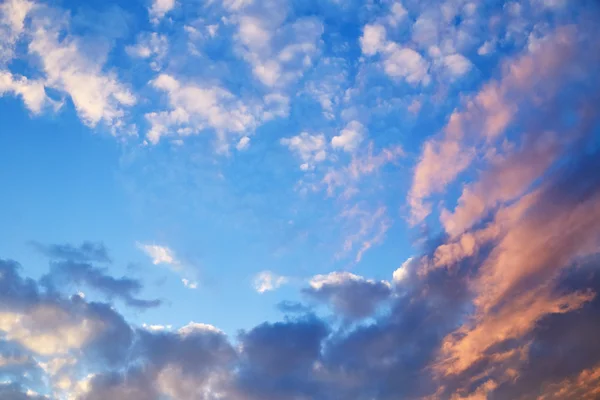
x,y
351,296
80,273
86,252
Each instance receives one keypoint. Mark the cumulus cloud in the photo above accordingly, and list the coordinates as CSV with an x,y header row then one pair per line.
x,y
350,137
406,63
195,108
159,9
98,95
32,92
373,39
310,148
13,14
350,295
277,50
500,303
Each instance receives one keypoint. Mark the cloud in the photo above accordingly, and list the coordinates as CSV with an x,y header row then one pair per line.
x,y
310,148
86,252
267,281
350,295
243,144
277,50
406,63
32,92
159,9
369,227
152,46
189,284
364,163
373,39
159,254
489,113
13,14
98,96
164,255
194,109
401,274
350,137
81,273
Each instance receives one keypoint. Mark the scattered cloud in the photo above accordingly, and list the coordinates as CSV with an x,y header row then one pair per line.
x,y
311,149
350,137
159,9
267,281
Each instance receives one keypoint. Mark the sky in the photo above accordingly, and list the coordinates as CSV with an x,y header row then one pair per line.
x,y
299,199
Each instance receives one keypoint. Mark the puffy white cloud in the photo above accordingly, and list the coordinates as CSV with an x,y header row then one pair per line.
x,y
12,23
278,51
373,39
350,137
457,64
31,91
406,63
310,148
243,143
98,96
267,281
159,9
196,108
402,272
48,330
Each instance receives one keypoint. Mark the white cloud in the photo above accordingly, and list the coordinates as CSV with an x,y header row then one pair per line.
x,y
310,148
267,281
486,48
31,91
12,23
195,108
157,328
48,330
150,46
189,284
159,9
97,95
277,51
159,254
397,14
401,273
373,39
243,144
406,63
457,64
334,279
350,137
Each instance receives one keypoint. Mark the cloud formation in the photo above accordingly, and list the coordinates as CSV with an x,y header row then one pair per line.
x,y
500,297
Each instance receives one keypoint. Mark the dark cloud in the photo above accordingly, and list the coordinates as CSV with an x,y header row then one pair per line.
x,y
352,296
79,273
292,307
86,252
13,391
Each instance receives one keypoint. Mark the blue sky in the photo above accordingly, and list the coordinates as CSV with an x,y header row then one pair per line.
x,y
284,199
